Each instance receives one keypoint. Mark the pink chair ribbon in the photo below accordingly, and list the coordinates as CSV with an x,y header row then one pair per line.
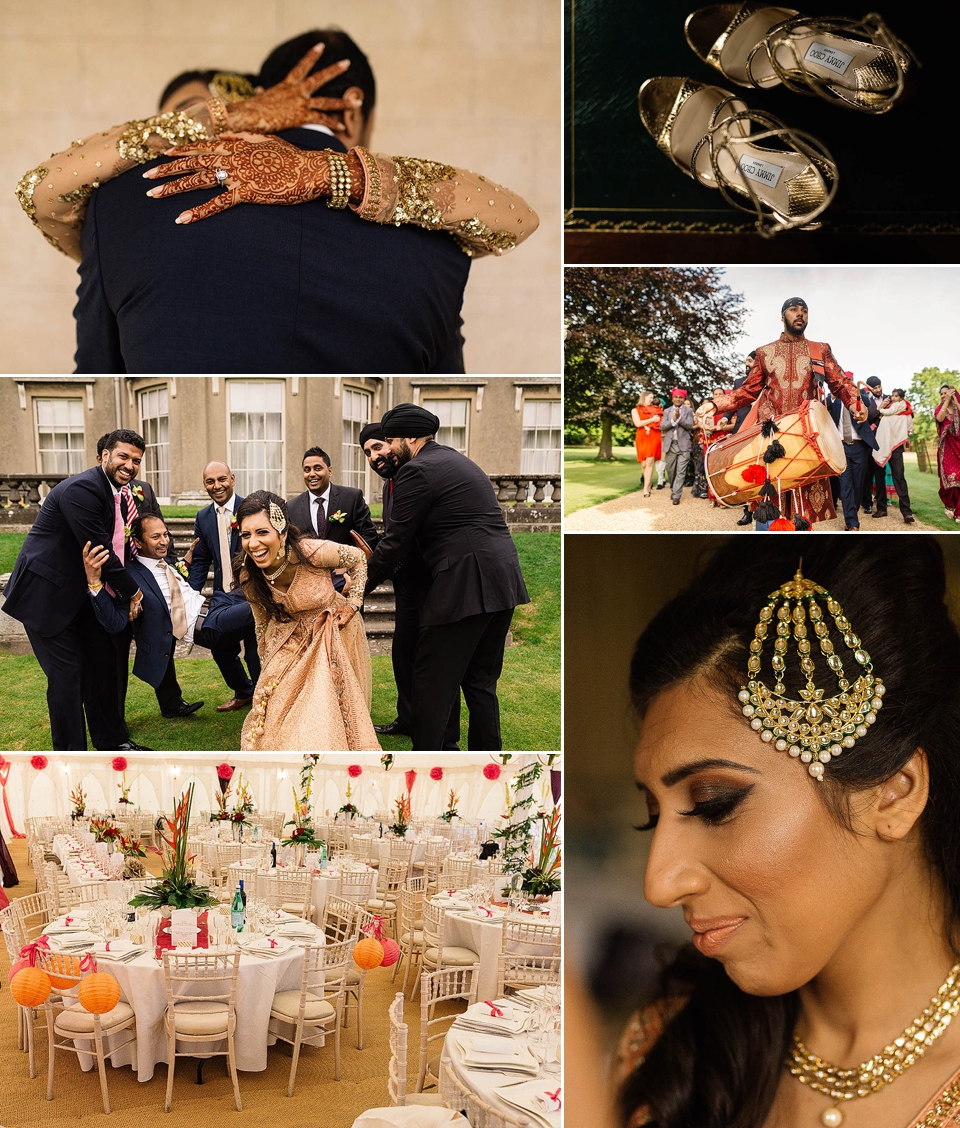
x,y
29,951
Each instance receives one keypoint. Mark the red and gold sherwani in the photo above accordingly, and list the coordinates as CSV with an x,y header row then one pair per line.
x,y
780,379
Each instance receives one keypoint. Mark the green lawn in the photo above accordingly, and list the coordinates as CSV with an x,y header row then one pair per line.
x,y
529,688
9,547
588,482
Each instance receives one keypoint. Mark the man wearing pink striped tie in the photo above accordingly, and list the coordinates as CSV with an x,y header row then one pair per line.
x,y
47,592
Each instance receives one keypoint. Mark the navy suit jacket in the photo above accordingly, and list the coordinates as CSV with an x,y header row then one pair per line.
x,y
445,505
152,629
305,288
866,431
48,586
205,527
342,499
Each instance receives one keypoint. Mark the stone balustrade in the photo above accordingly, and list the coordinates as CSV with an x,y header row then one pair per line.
x,y
21,495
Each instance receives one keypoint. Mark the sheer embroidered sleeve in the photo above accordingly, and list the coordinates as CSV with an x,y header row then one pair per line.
x,y
55,193
351,560
485,218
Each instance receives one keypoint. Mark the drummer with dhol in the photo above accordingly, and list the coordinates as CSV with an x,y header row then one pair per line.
x,y
784,374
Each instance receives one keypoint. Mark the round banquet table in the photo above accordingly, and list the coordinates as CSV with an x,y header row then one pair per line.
x,y
143,986
484,1083
324,884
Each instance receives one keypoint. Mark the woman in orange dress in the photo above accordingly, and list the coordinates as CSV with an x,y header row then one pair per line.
x,y
646,418
822,890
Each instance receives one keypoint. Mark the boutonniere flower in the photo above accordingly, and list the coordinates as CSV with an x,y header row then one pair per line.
x,y
137,492
233,523
182,569
338,516
127,530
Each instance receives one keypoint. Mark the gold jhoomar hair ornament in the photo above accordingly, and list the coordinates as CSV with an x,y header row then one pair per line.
x,y
815,730
276,517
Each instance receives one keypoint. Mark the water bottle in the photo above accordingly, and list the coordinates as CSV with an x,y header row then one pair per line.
x,y
243,894
236,911
323,855
273,855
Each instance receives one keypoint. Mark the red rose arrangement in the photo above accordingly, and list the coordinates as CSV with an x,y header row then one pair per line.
x,y
119,763
491,771
224,771
436,774
39,762
354,770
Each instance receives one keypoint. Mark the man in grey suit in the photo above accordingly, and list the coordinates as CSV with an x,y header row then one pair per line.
x,y
675,429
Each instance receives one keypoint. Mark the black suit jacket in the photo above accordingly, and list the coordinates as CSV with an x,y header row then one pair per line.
x,y
330,292
343,499
866,431
48,585
208,549
445,505
411,577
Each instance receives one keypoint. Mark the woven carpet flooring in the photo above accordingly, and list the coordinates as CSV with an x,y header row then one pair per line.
x,y
318,1101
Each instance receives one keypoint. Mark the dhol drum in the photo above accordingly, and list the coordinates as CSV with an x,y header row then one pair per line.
x,y
813,446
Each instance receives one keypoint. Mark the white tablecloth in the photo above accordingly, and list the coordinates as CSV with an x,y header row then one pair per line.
x,y
485,937
142,985
383,847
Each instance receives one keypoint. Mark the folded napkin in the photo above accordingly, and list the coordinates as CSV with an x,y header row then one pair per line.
x,y
122,950
295,928
533,994
68,923
497,1055
511,1020
269,946
542,1099
72,941
280,915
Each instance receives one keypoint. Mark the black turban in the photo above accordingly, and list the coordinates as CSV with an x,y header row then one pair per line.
x,y
791,302
372,431
408,421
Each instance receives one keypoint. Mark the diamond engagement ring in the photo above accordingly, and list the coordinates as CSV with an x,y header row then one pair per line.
x,y
221,175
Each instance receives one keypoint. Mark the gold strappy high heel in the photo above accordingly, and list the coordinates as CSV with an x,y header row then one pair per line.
x,y
855,63
785,177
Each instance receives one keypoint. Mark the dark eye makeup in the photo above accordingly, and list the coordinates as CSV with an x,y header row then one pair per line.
x,y
714,810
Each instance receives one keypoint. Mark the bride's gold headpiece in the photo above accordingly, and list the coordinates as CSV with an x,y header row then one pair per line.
x,y
814,729
277,518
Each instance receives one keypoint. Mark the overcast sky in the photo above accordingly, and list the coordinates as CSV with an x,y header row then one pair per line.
x,y
886,321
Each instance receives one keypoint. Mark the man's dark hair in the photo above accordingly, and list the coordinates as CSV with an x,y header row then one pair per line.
x,y
136,529
120,436
316,452
899,392
281,60
101,443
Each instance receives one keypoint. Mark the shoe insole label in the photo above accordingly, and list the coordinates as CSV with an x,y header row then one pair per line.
x,y
764,172
829,57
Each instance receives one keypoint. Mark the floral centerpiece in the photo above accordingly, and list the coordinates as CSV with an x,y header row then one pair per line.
x,y
348,808
104,830
386,760
221,813
303,834
133,850
399,828
451,812
542,877
176,888
78,797
243,808
120,765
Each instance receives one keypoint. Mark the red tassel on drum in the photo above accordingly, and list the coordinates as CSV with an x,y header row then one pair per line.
x,y
755,475
782,525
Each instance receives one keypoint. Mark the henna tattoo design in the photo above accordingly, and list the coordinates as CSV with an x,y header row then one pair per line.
x,y
264,171
290,102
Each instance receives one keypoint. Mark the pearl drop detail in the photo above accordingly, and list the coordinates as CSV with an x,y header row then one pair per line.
x,y
806,756
831,1118
794,750
781,745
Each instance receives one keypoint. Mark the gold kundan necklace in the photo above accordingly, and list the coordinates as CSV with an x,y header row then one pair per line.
x,y
870,1076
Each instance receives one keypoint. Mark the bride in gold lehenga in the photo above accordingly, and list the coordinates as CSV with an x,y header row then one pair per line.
x,y
315,683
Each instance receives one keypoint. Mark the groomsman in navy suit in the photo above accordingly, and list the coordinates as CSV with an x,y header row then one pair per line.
x,y
48,594
217,541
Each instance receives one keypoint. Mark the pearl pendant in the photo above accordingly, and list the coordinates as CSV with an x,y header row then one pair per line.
x,y
831,1117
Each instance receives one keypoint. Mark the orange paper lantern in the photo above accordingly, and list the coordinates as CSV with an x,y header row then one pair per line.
x,y
67,966
98,993
30,987
391,952
368,954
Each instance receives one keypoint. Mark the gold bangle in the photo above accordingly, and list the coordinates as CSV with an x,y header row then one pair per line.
x,y
372,188
93,590
340,181
218,114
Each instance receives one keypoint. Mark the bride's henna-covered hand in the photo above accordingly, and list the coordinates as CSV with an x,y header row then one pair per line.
x,y
290,102
260,170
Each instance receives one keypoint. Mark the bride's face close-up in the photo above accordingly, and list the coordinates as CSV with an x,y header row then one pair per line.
x,y
260,540
773,885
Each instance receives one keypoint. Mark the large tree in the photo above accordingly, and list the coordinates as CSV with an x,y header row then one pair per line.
x,y
633,329
924,396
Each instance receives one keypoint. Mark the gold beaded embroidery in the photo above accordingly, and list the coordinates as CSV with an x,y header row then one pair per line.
x,y
25,189
374,188
177,128
79,195
475,237
415,179
946,1108
231,87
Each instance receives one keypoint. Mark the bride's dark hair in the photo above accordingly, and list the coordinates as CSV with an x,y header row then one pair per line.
x,y
249,576
719,1061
